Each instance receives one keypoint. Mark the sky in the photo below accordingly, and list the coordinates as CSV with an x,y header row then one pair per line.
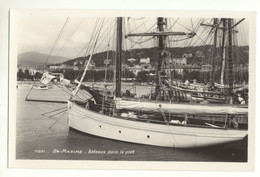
x,y
38,32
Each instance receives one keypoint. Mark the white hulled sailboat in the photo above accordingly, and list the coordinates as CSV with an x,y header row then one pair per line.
x,y
154,122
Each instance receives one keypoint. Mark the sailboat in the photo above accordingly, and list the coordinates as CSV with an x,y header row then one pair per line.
x,y
153,122
216,92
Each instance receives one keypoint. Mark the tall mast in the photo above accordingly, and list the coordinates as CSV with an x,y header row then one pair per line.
x,y
161,46
213,62
161,36
118,56
223,53
230,56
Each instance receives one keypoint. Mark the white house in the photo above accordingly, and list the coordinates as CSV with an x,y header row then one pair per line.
x,y
145,60
54,67
131,60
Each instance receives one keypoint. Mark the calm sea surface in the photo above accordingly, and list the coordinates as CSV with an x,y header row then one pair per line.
x,y
42,134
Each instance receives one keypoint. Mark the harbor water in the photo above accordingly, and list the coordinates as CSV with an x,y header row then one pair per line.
x,y
42,132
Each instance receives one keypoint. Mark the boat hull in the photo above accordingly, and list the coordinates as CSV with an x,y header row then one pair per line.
x,y
40,88
177,136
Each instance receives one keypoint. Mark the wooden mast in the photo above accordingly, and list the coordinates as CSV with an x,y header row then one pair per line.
x,y
161,46
118,56
230,57
161,35
223,53
213,59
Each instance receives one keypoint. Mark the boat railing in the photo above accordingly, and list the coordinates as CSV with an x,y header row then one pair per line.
x,y
219,121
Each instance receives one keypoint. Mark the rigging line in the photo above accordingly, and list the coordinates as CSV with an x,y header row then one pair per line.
x,y
204,31
143,41
196,29
147,30
34,105
84,48
113,72
30,91
58,113
92,38
68,38
188,42
98,34
205,41
173,24
83,94
243,41
176,40
87,45
242,57
54,110
192,24
237,23
88,62
184,27
105,75
200,49
68,92
139,26
241,38
101,43
56,41
125,42
109,38
136,18
141,37
105,32
79,71
58,119
108,45
167,123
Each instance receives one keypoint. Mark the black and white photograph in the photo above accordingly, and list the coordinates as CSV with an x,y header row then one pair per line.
x,y
125,87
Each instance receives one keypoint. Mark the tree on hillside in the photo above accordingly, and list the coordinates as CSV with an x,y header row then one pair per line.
x,y
20,75
142,76
194,75
37,76
26,74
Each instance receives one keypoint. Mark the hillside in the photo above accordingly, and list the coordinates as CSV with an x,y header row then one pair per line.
x,y
37,59
200,54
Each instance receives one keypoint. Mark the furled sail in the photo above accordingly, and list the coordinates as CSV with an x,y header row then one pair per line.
x,y
54,77
47,78
180,108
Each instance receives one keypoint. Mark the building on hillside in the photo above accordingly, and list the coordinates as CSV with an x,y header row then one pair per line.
x,y
135,69
54,67
131,60
32,71
176,64
66,67
206,68
240,67
179,61
144,60
107,61
76,68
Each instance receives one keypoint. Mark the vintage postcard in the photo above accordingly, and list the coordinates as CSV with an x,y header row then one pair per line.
x,y
160,90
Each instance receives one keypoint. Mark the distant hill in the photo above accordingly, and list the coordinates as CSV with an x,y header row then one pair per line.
x,y
200,54
37,59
